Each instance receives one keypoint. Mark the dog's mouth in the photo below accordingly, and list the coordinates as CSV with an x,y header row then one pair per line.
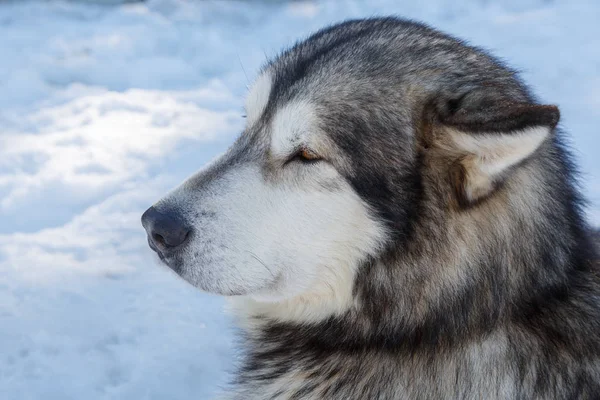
x,y
156,250
166,259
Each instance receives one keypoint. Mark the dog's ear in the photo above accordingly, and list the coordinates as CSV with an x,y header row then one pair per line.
x,y
487,135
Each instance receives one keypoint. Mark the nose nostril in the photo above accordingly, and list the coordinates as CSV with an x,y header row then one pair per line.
x,y
159,240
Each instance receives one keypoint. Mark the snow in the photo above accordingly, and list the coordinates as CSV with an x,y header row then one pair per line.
x,y
104,108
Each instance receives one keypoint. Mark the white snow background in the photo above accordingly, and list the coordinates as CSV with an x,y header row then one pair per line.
x,y
104,108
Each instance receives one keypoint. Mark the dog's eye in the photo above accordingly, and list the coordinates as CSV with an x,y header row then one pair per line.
x,y
306,155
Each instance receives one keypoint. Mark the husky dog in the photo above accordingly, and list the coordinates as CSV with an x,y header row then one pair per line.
x,y
398,220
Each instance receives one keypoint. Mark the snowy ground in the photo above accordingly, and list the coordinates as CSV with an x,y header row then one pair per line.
x,y
103,108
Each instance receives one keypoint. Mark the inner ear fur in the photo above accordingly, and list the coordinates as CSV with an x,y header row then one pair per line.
x,y
485,137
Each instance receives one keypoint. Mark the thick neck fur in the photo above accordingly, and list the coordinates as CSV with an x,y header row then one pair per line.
x,y
460,295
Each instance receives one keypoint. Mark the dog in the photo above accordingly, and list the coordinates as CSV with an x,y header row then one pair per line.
x,y
399,219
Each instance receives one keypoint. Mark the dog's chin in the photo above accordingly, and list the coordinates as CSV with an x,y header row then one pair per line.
x,y
200,277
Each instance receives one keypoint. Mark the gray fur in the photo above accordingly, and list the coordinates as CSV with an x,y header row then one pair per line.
x,y
496,297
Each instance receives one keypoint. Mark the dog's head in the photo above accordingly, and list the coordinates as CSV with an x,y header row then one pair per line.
x,y
342,131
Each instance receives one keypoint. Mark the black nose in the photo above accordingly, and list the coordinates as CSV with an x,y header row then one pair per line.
x,y
165,229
